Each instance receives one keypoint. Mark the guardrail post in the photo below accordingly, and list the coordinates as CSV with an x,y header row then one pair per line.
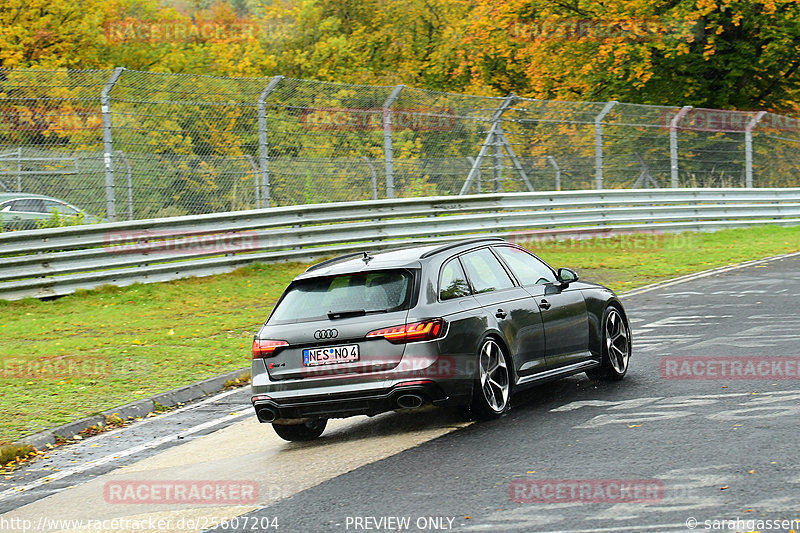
x,y
387,139
598,143
673,145
491,138
263,144
108,145
748,149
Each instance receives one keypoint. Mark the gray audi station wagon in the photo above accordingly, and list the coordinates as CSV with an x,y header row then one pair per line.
x,y
463,324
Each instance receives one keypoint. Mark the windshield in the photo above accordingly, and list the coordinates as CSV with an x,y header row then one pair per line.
x,y
349,294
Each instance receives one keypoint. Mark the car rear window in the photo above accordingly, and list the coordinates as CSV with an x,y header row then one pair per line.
x,y
359,293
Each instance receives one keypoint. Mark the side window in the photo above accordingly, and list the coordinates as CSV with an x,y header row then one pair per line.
x,y
62,208
485,272
29,205
453,282
528,269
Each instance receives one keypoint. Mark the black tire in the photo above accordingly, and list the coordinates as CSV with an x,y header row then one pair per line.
x,y
491,393
304,431
616,349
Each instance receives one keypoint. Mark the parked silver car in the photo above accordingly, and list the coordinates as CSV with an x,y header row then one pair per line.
x,y
28,211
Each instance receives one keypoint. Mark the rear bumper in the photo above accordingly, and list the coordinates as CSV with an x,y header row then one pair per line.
x,y
346,404
436,379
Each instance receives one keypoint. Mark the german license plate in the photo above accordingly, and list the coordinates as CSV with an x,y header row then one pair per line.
x,y
330,355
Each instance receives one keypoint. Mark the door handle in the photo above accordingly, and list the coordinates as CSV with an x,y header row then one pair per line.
x,y
501,314
544,304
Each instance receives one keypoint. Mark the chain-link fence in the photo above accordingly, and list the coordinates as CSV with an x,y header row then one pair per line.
x,y
130,145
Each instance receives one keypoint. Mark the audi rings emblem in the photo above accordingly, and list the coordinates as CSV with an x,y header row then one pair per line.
x,y
326,334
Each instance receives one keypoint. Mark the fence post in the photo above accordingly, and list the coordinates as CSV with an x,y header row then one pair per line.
x,y
673,145
598,143
19,169
263,144
498,158
748,149
373,177
108,145
128,182
490,140
503,141
256,180
387,139
552,161
478,176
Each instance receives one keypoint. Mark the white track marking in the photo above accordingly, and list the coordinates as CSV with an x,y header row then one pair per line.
x,y
704,274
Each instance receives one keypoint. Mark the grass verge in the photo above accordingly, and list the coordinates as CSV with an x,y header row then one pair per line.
x,y
626,262
75,356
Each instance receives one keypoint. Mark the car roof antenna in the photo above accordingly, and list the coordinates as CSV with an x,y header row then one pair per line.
x,y
367,258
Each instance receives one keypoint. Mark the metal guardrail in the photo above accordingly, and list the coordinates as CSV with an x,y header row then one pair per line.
x,y
57,261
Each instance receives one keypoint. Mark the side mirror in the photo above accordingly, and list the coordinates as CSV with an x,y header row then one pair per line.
x,y
567,276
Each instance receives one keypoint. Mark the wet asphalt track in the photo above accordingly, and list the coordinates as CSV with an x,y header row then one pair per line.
x,y
720,449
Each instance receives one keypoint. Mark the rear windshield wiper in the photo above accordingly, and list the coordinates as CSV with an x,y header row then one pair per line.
x,y
343,314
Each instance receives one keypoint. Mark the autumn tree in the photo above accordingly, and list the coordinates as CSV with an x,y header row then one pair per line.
x,y
50,33
368,41
712,53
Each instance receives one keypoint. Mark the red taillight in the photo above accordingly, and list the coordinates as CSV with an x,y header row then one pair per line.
x,y
417,331
259,398
266,348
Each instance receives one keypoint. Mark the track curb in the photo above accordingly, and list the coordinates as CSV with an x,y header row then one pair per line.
x,y
170,398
